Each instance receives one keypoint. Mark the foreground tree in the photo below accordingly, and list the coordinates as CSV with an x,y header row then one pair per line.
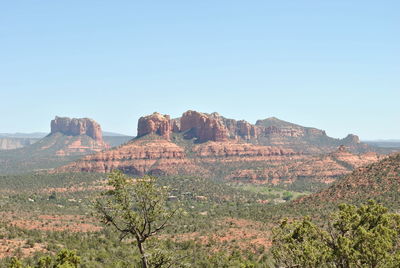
x,y
300,244
365,236
137,208
64,259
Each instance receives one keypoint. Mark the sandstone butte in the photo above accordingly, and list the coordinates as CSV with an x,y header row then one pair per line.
x,y
76,127
271,151
79,135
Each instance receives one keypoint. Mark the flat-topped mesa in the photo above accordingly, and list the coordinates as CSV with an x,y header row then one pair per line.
x,y
76,127
155,123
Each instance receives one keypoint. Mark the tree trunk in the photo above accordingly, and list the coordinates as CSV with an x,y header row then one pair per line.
x,y
143,256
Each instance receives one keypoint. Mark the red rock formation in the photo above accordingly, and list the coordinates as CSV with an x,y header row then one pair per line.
x,y
76,127
228,149
155,124
205,127
324,169
283,131
246,130
176,125
273,151
139,157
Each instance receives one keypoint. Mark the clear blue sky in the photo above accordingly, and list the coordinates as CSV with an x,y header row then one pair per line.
x,y
334,65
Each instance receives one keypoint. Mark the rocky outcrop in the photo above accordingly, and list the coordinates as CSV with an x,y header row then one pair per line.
x,y
351,139
76,127
228,149
176,125
204,127
139,157
155,124
284,132
73,136
272,151
213,127
246,130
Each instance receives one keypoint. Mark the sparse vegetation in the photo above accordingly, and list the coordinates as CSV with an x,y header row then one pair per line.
x,y
223,224
137,209
365,236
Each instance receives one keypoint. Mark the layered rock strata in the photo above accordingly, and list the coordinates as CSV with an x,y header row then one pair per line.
x,y
209,145
203,127
325,168
157,157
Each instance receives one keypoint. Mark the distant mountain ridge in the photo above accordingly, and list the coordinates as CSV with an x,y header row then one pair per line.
x,y
114,134
272,151
8,143
33,135
39,135
203,127
392,143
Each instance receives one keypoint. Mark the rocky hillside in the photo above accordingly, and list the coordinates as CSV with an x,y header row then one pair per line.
x,y
69,140
380,180
211,145
321,168
204,127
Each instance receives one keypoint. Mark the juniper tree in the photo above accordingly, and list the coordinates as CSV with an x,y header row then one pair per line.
x,y
137,209
365,236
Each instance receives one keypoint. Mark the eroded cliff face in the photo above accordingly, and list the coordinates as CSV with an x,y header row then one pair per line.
x,y
200,126
138,157
203,127
229,149
155,124
272,151
73,136
76,127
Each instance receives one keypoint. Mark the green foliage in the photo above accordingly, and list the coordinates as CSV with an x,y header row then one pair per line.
x,y
287,196
41,155
103,248
67,259
45,262
64,259
15,263
300,243
137,209
365,236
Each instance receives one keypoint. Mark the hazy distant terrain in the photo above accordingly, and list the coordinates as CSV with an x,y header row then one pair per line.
x,y
33,135
15,143
384,143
